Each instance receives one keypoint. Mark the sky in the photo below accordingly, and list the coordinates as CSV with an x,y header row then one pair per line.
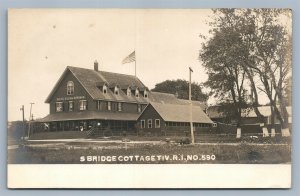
x,y
43,42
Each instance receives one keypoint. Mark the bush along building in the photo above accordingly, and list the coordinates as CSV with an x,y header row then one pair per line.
x,y
85,99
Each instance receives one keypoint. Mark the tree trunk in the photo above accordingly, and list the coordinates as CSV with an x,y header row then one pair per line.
x,y
255,101
272,122
285,124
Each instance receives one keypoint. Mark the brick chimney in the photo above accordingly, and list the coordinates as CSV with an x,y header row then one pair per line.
x,y
96,65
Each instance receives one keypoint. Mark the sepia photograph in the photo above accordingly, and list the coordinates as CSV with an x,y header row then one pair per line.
x,y
192,90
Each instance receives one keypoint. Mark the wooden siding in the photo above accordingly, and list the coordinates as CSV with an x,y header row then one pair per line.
x,y
92,105
150,113
165,129
61,92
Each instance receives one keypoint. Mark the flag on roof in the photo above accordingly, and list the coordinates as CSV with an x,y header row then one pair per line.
x,y
130,58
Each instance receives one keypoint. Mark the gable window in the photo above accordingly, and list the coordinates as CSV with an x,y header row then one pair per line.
x,y
145,94
70,88
109,106
149,123
71,106
128,92
116,90
142,124
104,90
136,92
139,107
82,104
59,107
157,123
119,107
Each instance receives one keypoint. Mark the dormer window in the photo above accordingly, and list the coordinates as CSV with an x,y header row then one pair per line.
x,y
137,93
70,88
116,90
128,92
104,90
145,94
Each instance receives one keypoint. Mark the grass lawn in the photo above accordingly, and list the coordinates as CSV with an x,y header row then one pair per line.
x,y
140,153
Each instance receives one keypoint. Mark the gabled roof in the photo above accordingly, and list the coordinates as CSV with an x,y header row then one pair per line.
x,y
90,80
163,98
167,98
195,103
180,113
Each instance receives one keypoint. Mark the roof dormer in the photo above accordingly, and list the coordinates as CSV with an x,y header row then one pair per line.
x,y
128,91
117,90
104,88
137,92
145,94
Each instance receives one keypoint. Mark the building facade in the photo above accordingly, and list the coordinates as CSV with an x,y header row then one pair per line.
x,y
86,98
173,119
83,98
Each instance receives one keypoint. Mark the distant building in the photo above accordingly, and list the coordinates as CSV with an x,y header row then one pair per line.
x,y
248,115
84,98
249,121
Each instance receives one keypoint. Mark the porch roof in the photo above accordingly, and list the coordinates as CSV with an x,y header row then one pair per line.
x,y
90,115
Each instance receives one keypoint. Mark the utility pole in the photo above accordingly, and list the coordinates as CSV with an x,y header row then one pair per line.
x,y
30,115
30,119
22,109
191,106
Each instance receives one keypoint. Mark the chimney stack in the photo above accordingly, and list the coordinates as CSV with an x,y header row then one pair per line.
x,y
96,65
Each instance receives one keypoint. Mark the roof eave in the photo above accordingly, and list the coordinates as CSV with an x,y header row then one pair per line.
x,y
56,85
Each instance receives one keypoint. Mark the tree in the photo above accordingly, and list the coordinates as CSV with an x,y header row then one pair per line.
x,y
258,42
225,75
180,88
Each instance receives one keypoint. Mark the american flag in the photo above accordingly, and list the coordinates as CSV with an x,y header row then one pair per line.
x,y
130,58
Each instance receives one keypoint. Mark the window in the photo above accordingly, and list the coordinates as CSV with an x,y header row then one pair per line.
x,y
145,94
70,88
59,106
128,92
104,89
139,108
109,106
142,124
82,105
157,123
119,107
116,90
149,123
98,105
71,106
136,92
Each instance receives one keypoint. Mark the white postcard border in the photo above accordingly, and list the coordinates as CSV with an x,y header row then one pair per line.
x,y
149,176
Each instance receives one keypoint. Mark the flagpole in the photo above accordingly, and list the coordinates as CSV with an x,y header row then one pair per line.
x,y
129,59
191,105
135,67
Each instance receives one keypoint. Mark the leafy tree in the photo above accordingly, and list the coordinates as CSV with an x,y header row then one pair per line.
x,y
180,88
226,77
256,41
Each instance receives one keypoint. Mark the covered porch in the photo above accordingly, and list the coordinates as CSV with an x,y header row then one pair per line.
x,y
84,121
